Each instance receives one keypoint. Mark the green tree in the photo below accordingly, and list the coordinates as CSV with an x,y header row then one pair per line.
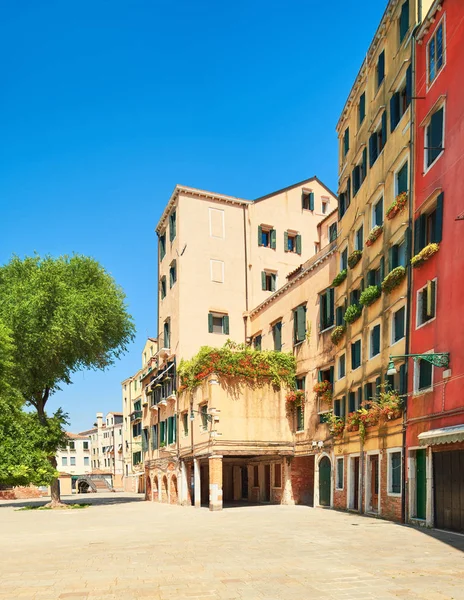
x,y
65,314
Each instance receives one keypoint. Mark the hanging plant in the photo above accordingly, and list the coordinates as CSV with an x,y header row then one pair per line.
x,y
393,279
352,313
340,278
324,390
397,205
424,255
370,295
374,234
354,258
337,334
336,424
295,398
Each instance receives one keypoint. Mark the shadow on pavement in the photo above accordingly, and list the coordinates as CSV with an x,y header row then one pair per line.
x,y
93,499
455,540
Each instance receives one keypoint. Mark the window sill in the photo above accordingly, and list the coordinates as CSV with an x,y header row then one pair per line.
x,y
339,489
426,323
418,393
326,329
394,342
298,344
298,431
432,164
394,494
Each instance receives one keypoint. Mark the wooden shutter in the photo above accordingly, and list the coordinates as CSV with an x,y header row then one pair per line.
x,y
394,111
371,277
285,241
403,179
332,375
384,128
263,280
404,20
273,235
378,383
403,380
351,402
436,133
298,244
311,200
348,192
339,316
174,428
260,235
273,282
362,107
225,324
382,269
408,85
393,257
278,336
381,68
438,229
354,180
376,339
360,397
319,376
371,150
301,324
210,322
364,164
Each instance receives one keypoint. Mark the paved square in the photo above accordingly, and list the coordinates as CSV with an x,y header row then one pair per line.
x,y
126,549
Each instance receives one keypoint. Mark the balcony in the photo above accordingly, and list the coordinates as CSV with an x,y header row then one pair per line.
x,y
136,415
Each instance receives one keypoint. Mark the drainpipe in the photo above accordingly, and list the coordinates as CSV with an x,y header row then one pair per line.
x,y
409,269
361,477
246,270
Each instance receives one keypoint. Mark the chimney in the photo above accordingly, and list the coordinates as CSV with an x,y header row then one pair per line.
x,y
99,420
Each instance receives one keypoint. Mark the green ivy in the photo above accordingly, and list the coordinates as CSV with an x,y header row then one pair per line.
x,y
340,278
370,295
352,313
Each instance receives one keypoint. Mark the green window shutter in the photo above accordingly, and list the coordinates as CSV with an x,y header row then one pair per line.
x,y
372,156
169,430
298,244
404,20
273,238
394,111
332,375
378,383
435,135
403,179
419,233
225,324
403,380
360,397
263,280
278,336
393,257
364,164
382,269
371,277
311,200
339,316
174,428
408,85
273,282
331,312
301,323
210,323
384,127
351,402
376,340
260,235
437,237
319,376
285,241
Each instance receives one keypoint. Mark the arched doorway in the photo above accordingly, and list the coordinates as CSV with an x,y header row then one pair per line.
x,y
164,496
324,481
173,496
155,489
148,488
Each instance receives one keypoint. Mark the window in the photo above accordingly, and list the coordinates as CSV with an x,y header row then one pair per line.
x,y
375,276
394,472
401,179
326,308
277,475
277,336
428,226
300,418
436,53
339,476
85,445
292,242
162,433
380,68
137,406
162,245
332,232
204,416
257,342
256,476
378,139
266,237
346,141
167,334
400,100
268,281
359,239
172,273
375,340
361,108
73,461
397,255
344,199
218,323
324,205
434,137
404,20
359,173
426,303
398,325
299,324
342,366
377,213
163,287
137,429
355,355
72,445
172,430
185,423
344,260
316,247
86,461
172,226
423,376
307,200
136,458
64,461
339,311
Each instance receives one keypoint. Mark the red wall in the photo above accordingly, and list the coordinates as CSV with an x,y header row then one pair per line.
x,y
445,405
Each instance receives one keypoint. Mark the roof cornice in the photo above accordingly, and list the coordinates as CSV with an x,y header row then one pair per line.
x,y
428,20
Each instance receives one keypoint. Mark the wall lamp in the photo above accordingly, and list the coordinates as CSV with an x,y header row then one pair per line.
x,y
209,418
440,359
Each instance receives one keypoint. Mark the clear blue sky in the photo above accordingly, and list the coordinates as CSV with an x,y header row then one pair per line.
x,y
106,105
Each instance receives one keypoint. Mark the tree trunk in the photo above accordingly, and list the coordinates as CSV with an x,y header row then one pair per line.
x,y
55,487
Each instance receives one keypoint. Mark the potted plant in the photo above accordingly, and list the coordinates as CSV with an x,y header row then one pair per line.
x,y
390,404
340,278
352,421
337,334
352,313
393,279
424,255
336,424
354,258
163,445
397,205
295,397
370,295
374,235
324,390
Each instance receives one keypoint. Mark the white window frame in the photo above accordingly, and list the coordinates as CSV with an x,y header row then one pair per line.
x,y
395,175
440,104
392,329
270,272
345,247
418,312
337,462
379,197
428,82
361,226
326,201
416,390
371,329
211,262
391,451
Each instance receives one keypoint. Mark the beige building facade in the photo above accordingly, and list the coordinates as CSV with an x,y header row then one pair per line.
x,y
75,458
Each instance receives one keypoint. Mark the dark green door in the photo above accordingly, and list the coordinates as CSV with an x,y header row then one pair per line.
x,y
324,481
421,484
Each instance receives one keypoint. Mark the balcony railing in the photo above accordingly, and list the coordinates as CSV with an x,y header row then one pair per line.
x,y
136,415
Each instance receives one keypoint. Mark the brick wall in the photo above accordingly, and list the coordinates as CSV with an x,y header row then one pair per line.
x,y
302,479
20,493
390,506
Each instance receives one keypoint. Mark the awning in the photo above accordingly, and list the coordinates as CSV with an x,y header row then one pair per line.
x,y
445,435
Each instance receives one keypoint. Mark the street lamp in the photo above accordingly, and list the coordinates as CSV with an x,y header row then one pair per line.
x,y
440,359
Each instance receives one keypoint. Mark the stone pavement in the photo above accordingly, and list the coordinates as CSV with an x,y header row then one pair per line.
x,y
126,549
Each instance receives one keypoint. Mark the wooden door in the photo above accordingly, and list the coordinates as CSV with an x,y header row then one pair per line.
x,y
448,474
374,500
267,483
356,483
324,481
421,484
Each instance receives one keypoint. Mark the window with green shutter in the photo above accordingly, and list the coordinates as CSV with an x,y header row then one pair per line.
x,y
154,437
144,440
346,141
356,355
380,68
402,179
204,416
361,108
426,303
339,315
299,324
326,308
170,430
341,366
163,287
436,51
377,213
394,479
378,139
167,334
359,239
257,342
398,324
218,323
268,281
434,137
162,245
185,423
172,226
307,200
351,402
404,20
163,433
172,273
277,336
375,341
332,232
300,418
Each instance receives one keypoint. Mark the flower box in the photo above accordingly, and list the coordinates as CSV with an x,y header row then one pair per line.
x,y
424,255
352,313
354,258
295,397
393,279
397,205
340,278
374,235
324,390
370,295
337,334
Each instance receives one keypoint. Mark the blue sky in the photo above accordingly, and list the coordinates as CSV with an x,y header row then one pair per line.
x,y
106,105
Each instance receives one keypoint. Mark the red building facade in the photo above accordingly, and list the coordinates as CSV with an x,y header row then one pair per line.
x,y
435,413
